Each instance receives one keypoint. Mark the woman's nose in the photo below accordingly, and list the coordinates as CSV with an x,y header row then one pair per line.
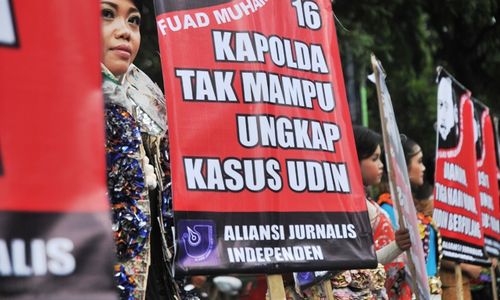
x,y
122,29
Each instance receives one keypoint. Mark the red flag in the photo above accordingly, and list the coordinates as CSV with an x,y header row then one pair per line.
x,y
488,184
55,232
457,206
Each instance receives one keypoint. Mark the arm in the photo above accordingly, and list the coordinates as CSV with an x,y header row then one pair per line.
x,y
388,253
395,248
472,271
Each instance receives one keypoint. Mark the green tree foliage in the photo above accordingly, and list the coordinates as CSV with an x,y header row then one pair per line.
x,y
411,38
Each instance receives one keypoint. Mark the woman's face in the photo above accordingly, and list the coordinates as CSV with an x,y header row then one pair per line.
x,y
120,34
426,207
372,168
416,169
447,112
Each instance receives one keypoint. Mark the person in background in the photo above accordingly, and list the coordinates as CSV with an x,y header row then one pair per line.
x,y
389,243
430,236
445,268
137,160
423,199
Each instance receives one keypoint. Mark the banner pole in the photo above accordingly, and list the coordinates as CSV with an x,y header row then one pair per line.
x,y
327,287
494,283
276,287
459,282
383,122
412,270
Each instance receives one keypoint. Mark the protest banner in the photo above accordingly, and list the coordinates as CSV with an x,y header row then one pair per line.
x,y
55,228
487,173
457,208
264,176
496,135
399,182
496,130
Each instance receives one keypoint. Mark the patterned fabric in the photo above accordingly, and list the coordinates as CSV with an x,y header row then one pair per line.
x,y
383,234
137,93
426,226
138,107
385,198
386,203
360,284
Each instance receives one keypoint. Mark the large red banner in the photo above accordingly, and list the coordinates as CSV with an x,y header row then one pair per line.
x,y
487,173
457,205
55,232
265,176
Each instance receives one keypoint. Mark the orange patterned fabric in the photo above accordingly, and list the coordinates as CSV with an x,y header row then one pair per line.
x,y
385,198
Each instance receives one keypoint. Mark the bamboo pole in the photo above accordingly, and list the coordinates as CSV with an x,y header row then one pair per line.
x,y
327,288
317,292
459,282
276,287
322,291
494,283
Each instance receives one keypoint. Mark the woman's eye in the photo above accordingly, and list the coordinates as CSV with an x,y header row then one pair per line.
x,y
136,20
107,13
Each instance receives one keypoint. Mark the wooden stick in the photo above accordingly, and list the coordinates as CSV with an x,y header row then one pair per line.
x,y
327,288
413,271
494,283
276,287
317,292
459,282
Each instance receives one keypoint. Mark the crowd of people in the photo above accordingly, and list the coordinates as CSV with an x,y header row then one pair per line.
x,y
139,190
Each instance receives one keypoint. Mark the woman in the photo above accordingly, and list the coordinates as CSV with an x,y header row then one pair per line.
x,y
137,164
121,35
389,244
442,283
424,204
429,234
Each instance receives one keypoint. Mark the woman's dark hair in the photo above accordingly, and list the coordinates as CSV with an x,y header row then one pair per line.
x,y
366,141
410,148
423,192
138,4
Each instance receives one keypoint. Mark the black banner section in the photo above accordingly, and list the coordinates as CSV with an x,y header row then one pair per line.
x,y
221,243
176,5
46,251
459,250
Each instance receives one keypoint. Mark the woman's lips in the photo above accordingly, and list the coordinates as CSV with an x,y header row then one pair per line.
x,y
122,51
